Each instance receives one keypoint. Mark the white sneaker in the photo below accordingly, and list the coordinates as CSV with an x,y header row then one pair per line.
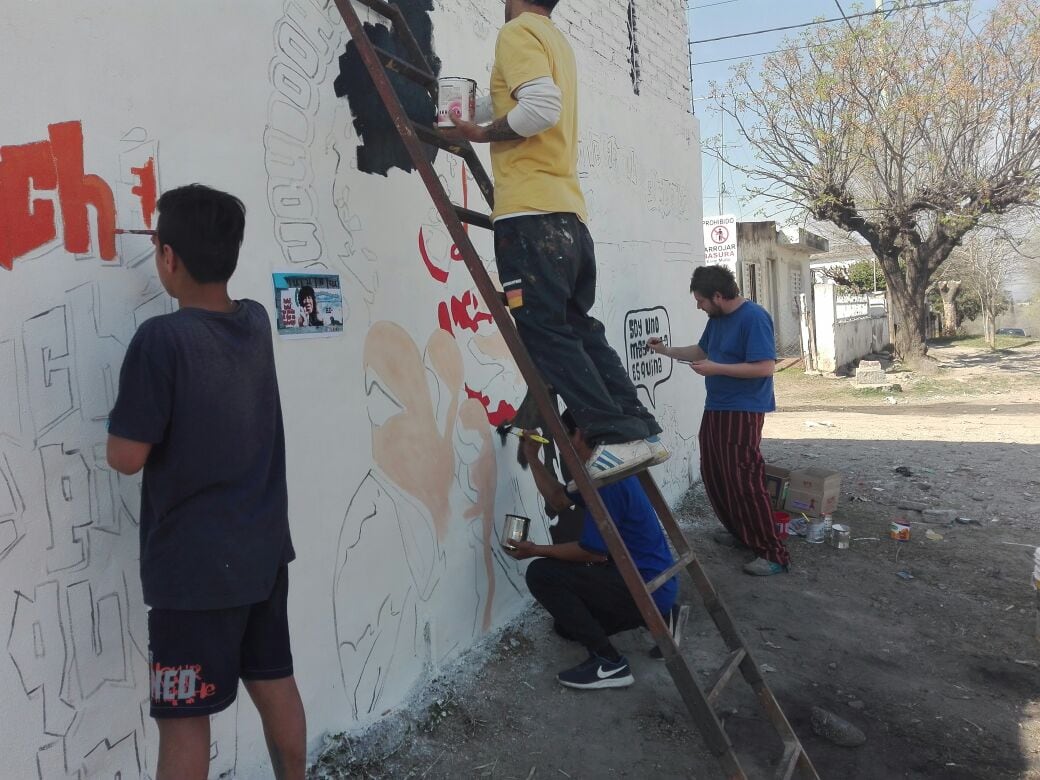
x,y
659,452
610,459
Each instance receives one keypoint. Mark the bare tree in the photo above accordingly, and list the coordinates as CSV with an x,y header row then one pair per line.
x,y
986,260
909,130
948,290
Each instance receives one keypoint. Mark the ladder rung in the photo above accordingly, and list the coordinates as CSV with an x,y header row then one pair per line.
x,y
792,751
474,218
406,69
463,149
725,672
433,137
684,560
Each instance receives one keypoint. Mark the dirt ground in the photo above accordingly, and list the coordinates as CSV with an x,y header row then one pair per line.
x,y
928,646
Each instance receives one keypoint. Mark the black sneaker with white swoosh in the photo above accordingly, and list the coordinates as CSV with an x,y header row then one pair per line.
x,y
597,672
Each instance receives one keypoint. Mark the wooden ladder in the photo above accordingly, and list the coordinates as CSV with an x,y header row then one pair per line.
x,y
700,701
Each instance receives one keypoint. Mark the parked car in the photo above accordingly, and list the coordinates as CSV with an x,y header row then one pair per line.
x,y
1011,332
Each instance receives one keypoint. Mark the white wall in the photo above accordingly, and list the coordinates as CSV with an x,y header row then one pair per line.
x,y
841,341
793,280
398,567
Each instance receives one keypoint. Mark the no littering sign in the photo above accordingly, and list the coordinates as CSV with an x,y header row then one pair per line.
x,y
720,241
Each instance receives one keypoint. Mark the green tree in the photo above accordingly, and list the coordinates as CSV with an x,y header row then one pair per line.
x,y
862,276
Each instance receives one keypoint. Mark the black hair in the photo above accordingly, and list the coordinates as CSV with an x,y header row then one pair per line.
x,y
306,292
710,279
204,227
549,4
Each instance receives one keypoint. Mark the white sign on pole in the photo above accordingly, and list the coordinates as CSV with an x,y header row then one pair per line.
x,y
720,241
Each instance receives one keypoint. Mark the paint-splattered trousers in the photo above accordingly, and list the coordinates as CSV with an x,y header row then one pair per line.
x,y
735,480
547,264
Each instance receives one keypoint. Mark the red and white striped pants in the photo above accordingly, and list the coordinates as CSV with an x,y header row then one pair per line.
x,y
735,480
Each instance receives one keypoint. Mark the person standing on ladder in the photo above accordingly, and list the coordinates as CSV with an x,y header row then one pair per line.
x,y
545,253
737,357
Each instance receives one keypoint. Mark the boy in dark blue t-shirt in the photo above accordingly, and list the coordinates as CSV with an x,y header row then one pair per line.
x,y
580,586
198,410
737,357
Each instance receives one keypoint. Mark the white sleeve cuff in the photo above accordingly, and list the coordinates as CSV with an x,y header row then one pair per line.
x,y
538,107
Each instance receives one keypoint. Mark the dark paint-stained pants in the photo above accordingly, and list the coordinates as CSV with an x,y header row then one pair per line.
x,y
547,265
735,480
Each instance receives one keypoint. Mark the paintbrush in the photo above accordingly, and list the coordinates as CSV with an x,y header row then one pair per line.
x,y
531,436
121,231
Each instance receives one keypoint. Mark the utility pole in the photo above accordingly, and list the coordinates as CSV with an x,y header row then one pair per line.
x,y
722,164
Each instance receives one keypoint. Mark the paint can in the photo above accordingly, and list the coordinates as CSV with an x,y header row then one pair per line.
x,y
841,536
516,529
816,533
457,97
899,531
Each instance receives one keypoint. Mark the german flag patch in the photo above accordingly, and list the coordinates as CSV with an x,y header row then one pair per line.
x,y
514,294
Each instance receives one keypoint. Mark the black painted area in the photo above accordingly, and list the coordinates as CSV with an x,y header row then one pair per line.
x,y
633,47
381,148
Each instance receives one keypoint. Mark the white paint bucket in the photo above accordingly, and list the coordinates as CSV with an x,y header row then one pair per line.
x,y
457,97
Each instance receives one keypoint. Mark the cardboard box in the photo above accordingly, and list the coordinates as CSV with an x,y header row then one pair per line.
x,y
813,492
777,480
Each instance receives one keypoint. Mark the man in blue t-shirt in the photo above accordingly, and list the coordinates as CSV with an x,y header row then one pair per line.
x,y
736,356
198,409
580,586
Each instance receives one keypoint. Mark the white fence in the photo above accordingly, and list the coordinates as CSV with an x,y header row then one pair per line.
x,y
844,328
848,307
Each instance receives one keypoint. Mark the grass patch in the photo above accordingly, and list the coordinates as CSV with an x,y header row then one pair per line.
x,y
876,392
1002,343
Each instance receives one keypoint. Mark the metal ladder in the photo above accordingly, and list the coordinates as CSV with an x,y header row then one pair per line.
x,y
700,701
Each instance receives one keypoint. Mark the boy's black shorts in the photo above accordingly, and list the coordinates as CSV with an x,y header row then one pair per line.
x,y
196,657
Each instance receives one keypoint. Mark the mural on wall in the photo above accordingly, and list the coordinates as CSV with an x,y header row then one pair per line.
x,y
419,571
428,444
29,222
76,641
381,149
438,401
647,369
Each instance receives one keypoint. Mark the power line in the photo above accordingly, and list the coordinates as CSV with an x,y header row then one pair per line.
x,y
822,21
709,5
760,54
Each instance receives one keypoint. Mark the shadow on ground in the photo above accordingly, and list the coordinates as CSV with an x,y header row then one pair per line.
x,y
929,664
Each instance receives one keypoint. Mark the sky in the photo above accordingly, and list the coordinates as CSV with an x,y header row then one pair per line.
x,y
714,18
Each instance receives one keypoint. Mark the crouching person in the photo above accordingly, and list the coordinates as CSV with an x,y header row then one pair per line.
x,y
581,587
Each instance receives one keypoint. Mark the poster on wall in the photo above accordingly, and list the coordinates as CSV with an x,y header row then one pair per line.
x,y
309,305
720,241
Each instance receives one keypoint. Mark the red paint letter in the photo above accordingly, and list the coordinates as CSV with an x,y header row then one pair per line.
x,y
25,223
76,191
147,190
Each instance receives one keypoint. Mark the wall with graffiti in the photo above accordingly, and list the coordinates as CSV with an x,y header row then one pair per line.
x,y
398,482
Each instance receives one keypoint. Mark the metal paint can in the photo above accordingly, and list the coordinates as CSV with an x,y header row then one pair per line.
x,y
516,529
816,533
456,96
841,536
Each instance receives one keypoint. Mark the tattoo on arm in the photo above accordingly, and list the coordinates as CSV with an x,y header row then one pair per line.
x,y
499,130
